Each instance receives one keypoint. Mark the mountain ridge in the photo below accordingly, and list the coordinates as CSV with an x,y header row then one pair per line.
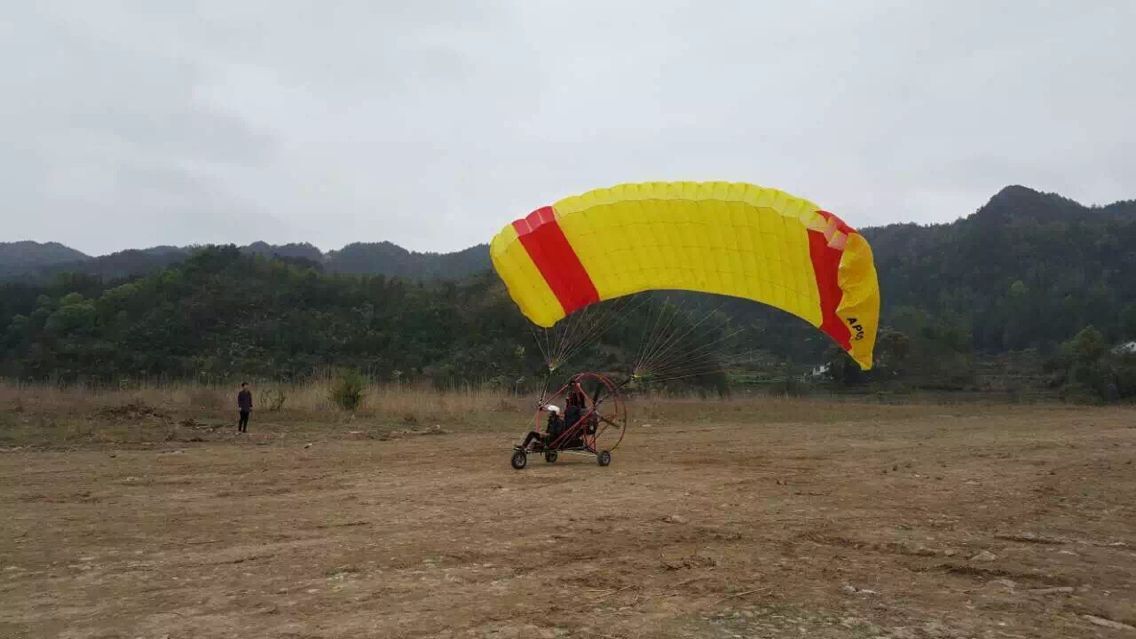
x,y
1011,206
35,260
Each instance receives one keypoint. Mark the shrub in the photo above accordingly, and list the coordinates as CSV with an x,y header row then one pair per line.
x,y
273,399
347,389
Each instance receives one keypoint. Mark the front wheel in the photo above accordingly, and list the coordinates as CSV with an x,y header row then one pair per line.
x,y
520,459
550,456
604,458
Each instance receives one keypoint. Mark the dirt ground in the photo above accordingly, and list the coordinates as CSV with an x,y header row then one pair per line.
x,y
999,522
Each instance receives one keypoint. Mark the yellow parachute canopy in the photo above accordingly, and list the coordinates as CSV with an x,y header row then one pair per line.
x,y
726,238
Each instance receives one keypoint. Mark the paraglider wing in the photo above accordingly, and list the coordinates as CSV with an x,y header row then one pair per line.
x,y
725,238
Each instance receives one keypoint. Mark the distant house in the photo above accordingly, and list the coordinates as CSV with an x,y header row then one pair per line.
x,y
819,371
1127,348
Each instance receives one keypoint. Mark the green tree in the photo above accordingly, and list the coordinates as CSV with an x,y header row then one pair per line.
x,y
1128,322
1089,370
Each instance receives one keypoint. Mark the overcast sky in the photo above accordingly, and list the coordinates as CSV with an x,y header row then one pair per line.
x,y
432,124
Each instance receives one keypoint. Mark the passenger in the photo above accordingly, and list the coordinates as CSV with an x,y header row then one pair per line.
x,y
574,409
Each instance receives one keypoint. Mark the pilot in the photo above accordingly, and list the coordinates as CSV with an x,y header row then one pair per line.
x,y
554,427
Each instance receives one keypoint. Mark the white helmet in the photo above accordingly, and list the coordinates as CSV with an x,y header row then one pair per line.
x,y
552,408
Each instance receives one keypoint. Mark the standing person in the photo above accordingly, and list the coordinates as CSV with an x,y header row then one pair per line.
x,y
244,403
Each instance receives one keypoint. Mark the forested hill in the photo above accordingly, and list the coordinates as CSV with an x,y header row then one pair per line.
x,y
28,257
1026,271
384,258
40,262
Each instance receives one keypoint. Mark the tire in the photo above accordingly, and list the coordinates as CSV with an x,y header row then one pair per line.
x,y
520,459
550,456
604,458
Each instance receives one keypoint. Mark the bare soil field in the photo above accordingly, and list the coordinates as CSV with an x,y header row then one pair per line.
x,y
828,520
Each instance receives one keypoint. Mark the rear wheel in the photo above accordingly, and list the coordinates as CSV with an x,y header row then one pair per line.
x,y
604,458
550,456
520,459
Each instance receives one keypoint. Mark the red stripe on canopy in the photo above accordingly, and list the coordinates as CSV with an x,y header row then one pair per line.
x,y
826,266
557,261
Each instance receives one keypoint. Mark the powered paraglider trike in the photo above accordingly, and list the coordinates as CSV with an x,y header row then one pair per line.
x,y
591,423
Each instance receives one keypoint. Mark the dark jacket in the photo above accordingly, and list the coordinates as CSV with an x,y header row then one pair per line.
x,y
555,425
572,415
244,400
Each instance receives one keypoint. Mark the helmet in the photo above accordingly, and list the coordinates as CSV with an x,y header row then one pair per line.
x,y
552,408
